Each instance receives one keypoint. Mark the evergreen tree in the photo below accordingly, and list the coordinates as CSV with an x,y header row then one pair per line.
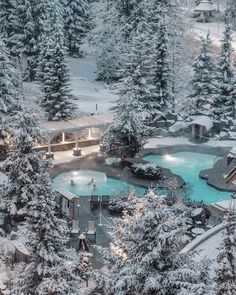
x,y
144,257
125,136
204,83
22,167
76,25
230,105
47,271
225,277
162,98
27,46
35,19
104,40
226,73
55,82
136,83
9,23
10,92
125,7
48,15
232,7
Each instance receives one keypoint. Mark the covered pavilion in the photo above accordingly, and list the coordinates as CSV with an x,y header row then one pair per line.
x,y
74,126
206,8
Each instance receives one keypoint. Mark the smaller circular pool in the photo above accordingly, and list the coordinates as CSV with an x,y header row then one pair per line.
x,y
84,187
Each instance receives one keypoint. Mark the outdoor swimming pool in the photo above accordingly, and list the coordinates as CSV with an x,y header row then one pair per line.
x,y
188,165
103,185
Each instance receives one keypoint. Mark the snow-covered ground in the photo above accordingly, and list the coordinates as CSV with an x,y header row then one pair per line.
x,y
209,249
155,142
89,91
215,29
67,156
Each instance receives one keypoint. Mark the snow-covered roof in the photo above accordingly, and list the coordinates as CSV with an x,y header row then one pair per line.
x,y
232,153
3,178
223,205
20,247
53,127
66,194
205,6
203,121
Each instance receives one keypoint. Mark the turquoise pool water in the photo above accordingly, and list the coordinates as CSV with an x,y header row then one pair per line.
x,y
103,185
188,165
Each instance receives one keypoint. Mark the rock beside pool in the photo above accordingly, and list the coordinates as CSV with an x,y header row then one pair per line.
x,y
150,171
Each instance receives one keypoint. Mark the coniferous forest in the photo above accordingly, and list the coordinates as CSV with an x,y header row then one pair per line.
x,y
123,85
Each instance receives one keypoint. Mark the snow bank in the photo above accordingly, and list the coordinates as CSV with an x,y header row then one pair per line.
x,y
3,178
178,126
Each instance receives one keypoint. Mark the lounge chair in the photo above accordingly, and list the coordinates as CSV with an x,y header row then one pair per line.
x,y
105,201
75,228
94,202
91,230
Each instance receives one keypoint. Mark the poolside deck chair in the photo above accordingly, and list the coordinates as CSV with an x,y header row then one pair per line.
x,y
105,201
94,202
91,230
75,228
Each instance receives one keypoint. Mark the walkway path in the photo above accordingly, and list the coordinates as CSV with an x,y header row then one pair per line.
x,y
67,156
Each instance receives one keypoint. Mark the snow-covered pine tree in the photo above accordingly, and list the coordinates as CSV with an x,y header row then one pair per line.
x,y
204,83
55,81
126,135
226,72
76,25
104,40
232,7
125,7
230,105
9,24
27,46
162,98
136,82
35,18
22,167
49,270
10,91
113,23
144,257
29,188
45,13
200,281
225,272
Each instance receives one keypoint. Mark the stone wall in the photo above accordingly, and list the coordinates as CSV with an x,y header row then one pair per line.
x,y
56,147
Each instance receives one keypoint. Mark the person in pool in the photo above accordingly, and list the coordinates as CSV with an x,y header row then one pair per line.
x,y
91,182
94,188
72,182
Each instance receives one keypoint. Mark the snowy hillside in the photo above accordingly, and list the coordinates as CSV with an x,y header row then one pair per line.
x,y
216,30
85,87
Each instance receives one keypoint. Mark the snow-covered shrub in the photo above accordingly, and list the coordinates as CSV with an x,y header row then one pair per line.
x,y
147,171
118,206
